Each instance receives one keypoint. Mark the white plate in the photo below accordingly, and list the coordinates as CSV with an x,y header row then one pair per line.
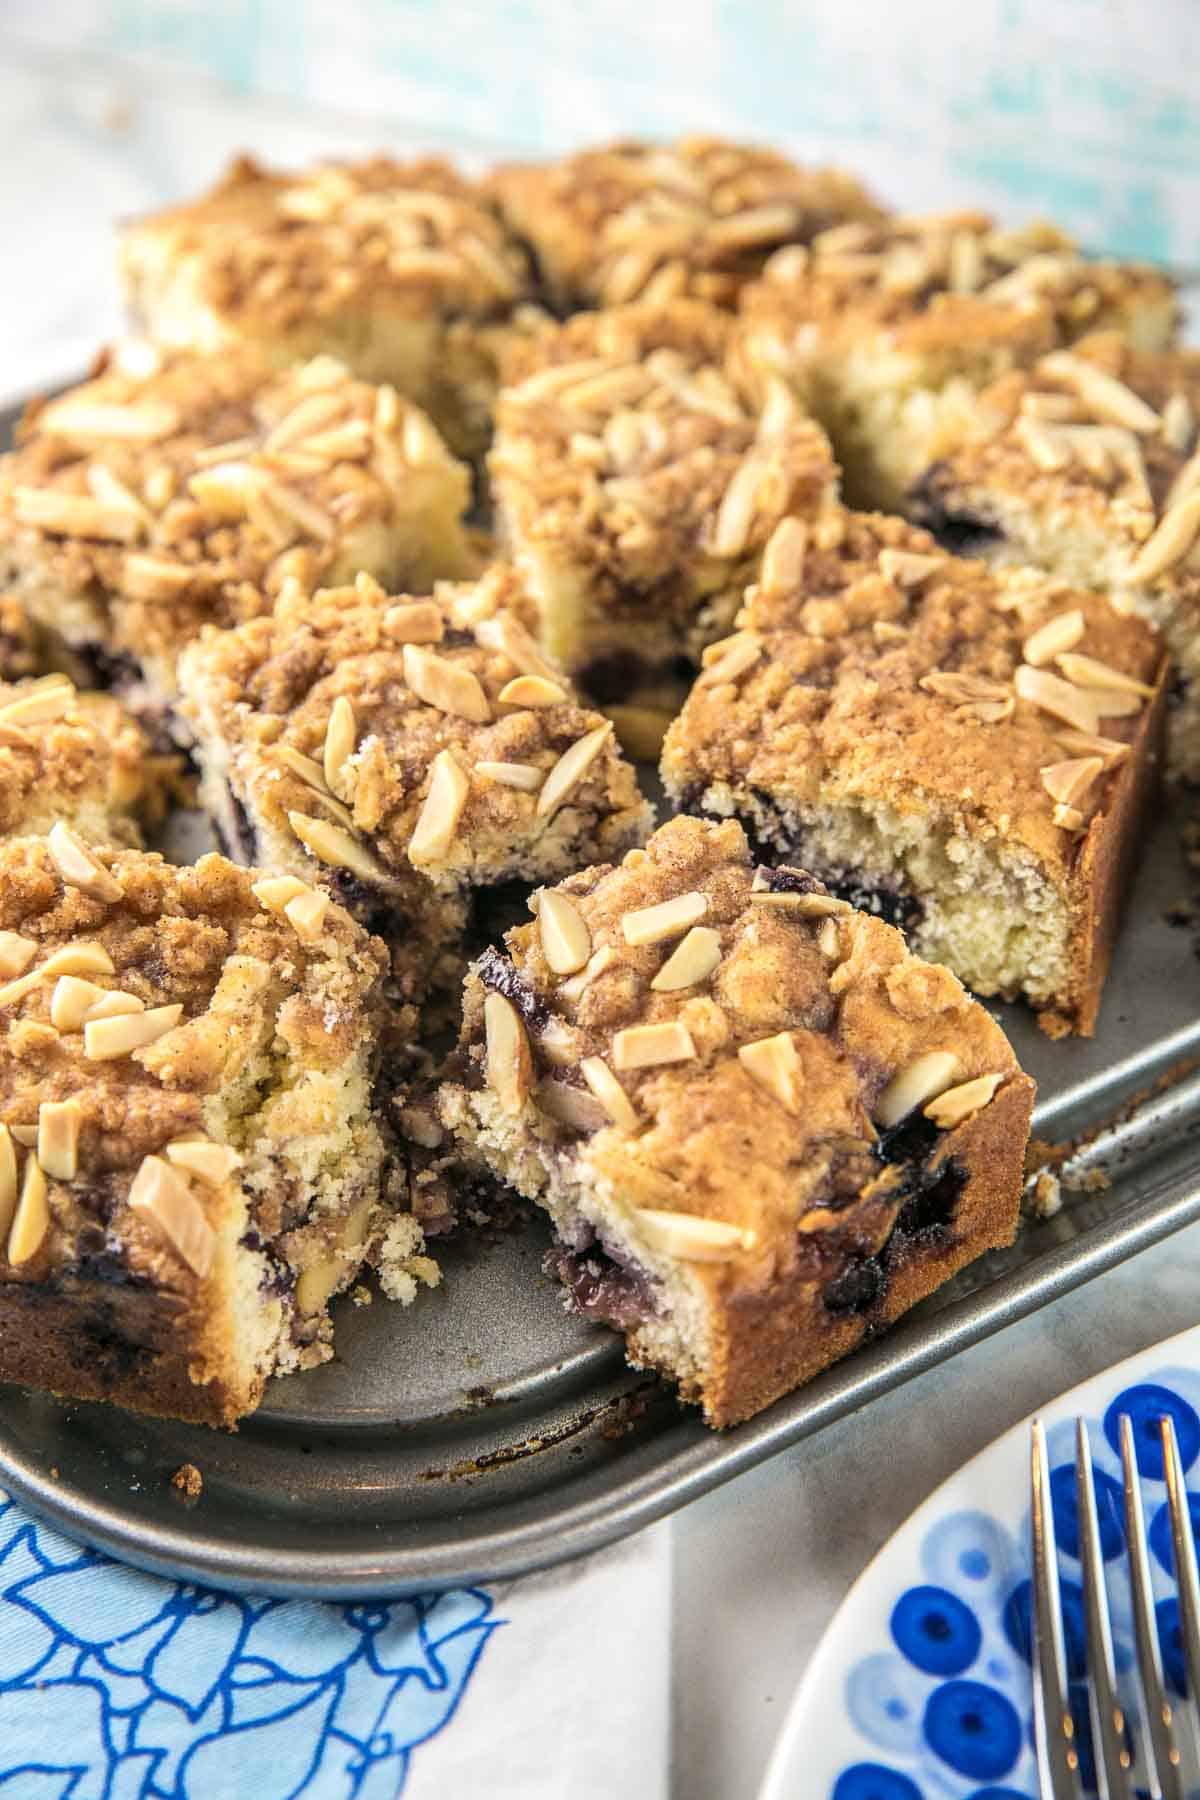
x,y
920,1689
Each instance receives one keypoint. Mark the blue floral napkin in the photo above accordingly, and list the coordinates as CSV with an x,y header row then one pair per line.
x,y
115,1685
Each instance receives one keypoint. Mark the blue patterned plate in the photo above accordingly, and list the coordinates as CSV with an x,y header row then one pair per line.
x,y
920,1689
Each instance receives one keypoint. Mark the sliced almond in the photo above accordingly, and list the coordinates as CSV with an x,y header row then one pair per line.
x,y
911,1086
692,961
829,940
908,568
306,767
275,891
601,959
1068,782
40,704
59,1123
958,1104
772,1064
1089,672
113,1005
609,1093
1068,818
32,1219
566,940
8,1180
783,558
213,1163
1056,635
306,915
415,622
74,515
506,634
1044,444
509,1062
333,845
1173,540
527,778
570,769
1051,694
163,1198
341,735
805,906
78,867
1104,395
738,654
691,1237
1111,751
16,953
449,788
964,689
446,685
1178,421
71,1001
646,1046
571,1106
653,924
25,1135
532,691
106,1039
72,959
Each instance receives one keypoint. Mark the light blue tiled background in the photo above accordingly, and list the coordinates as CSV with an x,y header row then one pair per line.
x,y
1089,109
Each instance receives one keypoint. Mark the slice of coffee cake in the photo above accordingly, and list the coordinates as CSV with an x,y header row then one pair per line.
x,y
189,1165
762,1128
174,491
968,752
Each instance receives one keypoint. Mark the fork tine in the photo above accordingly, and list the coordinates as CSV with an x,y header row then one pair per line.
x,y
1160,1719
1053,1726
1113,1760
1186,1578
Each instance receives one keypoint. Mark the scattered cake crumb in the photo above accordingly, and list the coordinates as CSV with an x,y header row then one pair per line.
x,y
188,1480
1045,1196
361,1296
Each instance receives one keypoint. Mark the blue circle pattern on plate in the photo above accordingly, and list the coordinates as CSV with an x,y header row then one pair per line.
x,y
944,1706
116,1685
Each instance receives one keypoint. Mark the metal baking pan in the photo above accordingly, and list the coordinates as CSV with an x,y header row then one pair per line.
x,y
484,1432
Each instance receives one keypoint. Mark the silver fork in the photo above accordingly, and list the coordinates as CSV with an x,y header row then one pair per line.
x,y
1168,1763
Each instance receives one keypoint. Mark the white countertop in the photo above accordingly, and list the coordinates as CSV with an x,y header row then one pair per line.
x,y
759,1566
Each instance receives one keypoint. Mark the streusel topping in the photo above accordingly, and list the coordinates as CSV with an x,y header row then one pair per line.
x,y
871,664
61,749
637,221
276,250
176,489
621,438
393,732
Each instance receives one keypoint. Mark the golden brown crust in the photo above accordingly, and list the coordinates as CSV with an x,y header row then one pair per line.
x,y
644,221
777,1058
635,483
171,491
906,691
485,704
951,285
266,251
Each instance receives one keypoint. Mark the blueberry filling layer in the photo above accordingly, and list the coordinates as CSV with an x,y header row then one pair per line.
x,y
234,832
883,897
602,1287
497,973
923,1221
958,530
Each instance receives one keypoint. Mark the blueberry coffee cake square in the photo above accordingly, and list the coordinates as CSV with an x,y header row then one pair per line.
x,y
761,1126
173,490
79,758
401,269
1088,465
888,329
189,1164
635,487
405,753
641,221
968,752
